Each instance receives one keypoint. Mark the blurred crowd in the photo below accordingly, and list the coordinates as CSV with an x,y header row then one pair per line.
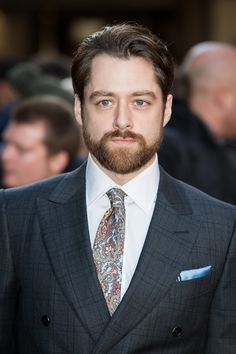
x,y
39,136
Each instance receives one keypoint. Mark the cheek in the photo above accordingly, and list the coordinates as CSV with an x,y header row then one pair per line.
x,y
97,120
150,128
31,160
36,170
34,161
96,128
29,167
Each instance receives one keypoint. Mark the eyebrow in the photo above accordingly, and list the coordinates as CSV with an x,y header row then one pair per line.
x,y
102,93
144,93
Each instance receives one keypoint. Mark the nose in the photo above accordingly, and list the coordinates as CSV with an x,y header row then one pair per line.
x,y
123,117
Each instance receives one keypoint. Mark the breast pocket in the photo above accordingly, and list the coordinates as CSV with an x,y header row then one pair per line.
x,y
192,293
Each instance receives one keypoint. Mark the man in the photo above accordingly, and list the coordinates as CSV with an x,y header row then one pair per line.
x,y
42,140
69,282
210,69
207,124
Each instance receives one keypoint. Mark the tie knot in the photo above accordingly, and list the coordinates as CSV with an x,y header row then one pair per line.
x,y
116,196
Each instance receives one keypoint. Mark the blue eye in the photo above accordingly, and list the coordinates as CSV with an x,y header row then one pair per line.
x,y
140,102
104,103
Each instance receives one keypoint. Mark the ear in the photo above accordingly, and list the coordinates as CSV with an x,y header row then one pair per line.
x,y
77,110
58,162
167,110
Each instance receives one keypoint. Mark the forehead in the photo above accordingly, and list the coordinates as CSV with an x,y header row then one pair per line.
x,y
26,133
112,73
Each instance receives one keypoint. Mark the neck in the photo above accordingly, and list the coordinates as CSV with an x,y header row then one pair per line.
x,y
122,179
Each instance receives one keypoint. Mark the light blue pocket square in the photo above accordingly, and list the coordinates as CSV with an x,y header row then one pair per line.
x,y
194,273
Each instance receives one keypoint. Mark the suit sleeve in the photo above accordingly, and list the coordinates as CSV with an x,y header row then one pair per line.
x,y
222,320
8,287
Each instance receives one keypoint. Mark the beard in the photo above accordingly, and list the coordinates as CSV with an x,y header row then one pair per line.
x,y
122,160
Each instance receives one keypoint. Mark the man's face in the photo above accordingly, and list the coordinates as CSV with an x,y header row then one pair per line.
x,y
24,157
123,113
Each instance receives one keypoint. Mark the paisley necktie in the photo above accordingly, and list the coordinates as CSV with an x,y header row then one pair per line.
x,y
108,248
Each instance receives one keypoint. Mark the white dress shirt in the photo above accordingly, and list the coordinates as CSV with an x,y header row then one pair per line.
x,y
139,205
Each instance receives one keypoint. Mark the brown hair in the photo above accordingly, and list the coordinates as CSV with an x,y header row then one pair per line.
x,y
62,130
123,41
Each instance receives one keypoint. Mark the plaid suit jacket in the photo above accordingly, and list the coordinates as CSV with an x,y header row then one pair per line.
x,y
50,298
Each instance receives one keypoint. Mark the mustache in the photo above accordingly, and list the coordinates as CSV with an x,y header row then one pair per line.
x,y
123,134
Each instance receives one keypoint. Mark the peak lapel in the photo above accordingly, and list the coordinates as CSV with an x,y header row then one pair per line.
x,y
63,221
169,241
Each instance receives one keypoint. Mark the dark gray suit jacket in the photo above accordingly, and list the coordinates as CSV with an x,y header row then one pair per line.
x,y
50,298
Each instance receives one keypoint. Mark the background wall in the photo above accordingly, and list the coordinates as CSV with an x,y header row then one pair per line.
x,y
27,27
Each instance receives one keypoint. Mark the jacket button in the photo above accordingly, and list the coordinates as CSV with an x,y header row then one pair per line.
x,y
176,331
45,321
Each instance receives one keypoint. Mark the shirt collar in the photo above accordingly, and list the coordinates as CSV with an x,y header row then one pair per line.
x,y
141,190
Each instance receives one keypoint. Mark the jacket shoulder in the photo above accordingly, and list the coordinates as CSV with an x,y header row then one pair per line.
x,y
187,198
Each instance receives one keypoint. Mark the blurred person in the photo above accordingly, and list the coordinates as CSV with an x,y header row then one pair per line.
x,y
53,64
118,256
41,140
83,150
210,68
204,122
8,95
30,79
22,76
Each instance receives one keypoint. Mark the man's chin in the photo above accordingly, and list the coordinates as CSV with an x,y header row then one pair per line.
x,y
122,161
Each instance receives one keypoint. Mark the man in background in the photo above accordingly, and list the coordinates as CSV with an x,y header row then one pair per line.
x,y
210,71
200,143
41,140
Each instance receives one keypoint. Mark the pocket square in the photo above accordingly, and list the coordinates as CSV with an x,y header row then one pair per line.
x,y
194,273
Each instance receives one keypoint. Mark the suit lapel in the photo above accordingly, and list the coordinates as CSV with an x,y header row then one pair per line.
x,y
169,241
63,221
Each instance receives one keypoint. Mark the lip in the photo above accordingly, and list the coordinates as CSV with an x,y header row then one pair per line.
x,y
121,141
